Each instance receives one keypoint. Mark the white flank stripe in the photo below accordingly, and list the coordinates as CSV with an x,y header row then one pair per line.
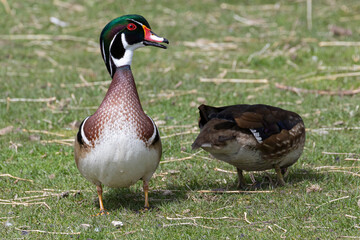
x,y
256,135
149,142
82,132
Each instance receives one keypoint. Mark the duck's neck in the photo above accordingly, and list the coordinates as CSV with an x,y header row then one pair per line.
x,y
122,93
120,109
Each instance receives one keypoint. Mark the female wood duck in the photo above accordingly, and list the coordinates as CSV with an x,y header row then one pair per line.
x,y
119,144
252,137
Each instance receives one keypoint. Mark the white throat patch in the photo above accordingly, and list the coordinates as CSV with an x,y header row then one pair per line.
x,y
129,52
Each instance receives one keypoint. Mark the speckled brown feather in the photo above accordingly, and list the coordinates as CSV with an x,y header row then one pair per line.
x,y
228,134
245,117
278,145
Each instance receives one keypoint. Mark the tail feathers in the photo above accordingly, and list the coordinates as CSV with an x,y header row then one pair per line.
x,y
205,112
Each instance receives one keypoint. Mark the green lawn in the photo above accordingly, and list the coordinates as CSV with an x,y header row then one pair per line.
x,y
61,67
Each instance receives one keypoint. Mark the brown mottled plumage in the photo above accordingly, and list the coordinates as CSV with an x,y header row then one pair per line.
x,y
252,137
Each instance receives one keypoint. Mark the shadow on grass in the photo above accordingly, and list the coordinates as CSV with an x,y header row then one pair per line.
x,y
133,199
263,181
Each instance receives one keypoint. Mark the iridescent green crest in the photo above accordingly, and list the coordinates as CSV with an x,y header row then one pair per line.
x,y
112,30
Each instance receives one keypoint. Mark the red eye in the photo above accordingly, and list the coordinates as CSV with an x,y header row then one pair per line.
x,y
131,26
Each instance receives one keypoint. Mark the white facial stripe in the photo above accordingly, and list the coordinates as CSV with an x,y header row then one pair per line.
x,y
82,132
123,40
103,50
135,21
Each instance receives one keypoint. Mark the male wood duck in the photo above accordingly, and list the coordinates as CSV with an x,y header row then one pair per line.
x,y
119,144
252,137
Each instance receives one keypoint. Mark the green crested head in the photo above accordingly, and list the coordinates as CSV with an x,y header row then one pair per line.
x,y
121,36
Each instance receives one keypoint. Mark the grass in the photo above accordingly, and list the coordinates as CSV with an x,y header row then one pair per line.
x,y
321,198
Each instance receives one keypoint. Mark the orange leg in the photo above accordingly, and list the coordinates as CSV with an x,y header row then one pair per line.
x,y
99,192
146,192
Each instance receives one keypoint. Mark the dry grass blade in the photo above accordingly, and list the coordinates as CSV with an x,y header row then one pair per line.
x,y
352,159
6,130
90,84
320,92
224,171
339,44
209,45
176,160
207,218
17,178
336,167
179,134
347,172
334,200
339,68
44,132
26,204
181,159
258,53
124,233
28,100
6,6
309,14
351,237
240,39
172,94
280,228
40,37
59,141
321,130
335,153
244,70
249,22
245,218
331,76
235,191
161,174
188,223
83,108
177,126
233,80
42,231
